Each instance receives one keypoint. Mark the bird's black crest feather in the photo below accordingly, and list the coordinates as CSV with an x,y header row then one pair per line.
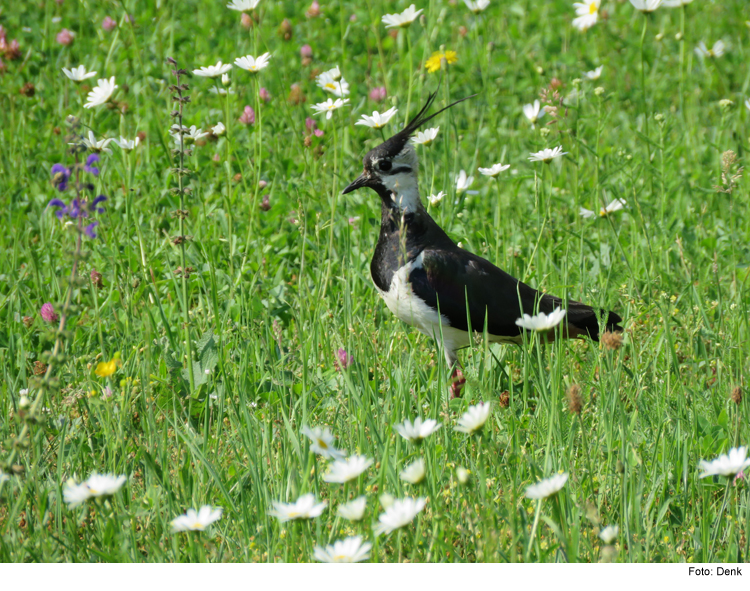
x,y
396,143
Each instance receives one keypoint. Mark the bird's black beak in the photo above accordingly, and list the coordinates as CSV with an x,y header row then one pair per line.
x,y
359,182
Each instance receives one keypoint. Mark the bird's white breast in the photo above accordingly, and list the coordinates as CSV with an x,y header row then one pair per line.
x,y
413,310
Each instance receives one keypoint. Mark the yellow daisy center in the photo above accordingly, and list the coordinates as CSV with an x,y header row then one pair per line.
x,y
592,8
322,443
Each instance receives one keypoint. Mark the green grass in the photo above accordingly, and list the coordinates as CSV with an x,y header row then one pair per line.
x,y
271,300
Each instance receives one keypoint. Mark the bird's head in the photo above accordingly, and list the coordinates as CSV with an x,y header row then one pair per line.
x,y
391,168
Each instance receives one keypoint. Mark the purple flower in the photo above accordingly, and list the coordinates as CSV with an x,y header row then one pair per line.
x,y
265,204
248,116
90,229
265,96
109,24
60,176
79,208
378,94
306,51
61,204
99,199
343,360
48,313
89,166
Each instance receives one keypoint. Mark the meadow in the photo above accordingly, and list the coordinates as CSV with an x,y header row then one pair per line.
x,y
221,308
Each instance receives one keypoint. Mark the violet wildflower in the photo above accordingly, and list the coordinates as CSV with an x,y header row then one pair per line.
x,y
48,313
265,96
265,204
89,166
378,94
78,208
248,116
343,360
89,230
109,24
65,37
306,51
60,176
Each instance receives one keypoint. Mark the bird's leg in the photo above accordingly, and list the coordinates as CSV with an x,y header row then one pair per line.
x,y
457,377
457,383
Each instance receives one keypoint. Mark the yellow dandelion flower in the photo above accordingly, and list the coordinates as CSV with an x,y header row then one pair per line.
x,y
434,63
107,368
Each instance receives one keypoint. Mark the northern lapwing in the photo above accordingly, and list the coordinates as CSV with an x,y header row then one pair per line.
x,y
442,290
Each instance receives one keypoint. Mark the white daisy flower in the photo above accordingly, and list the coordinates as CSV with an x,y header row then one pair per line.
x,y
221,91
348,550
478,6
402,512
78,74
377,120
717,50
126,144
353,510
463,181
194,520
729,464
675,3
494,170
548,487
541,322
191,134
323,443
403,19
595,73
463,475
609,534
218,129
329,106
4,477
419,430
426,137
304,508
615,205
436,199
342,471
473,420
101,92
253,64
75,494
97,485
90,141
533,112
243,5
332,74
547,155
104,485
213,71
332,81
587,14
646,5
414,473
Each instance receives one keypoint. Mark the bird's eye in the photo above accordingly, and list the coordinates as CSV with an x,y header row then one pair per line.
x,y
384,165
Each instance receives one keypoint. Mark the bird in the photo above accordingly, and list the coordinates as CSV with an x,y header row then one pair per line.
x,y
441,289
